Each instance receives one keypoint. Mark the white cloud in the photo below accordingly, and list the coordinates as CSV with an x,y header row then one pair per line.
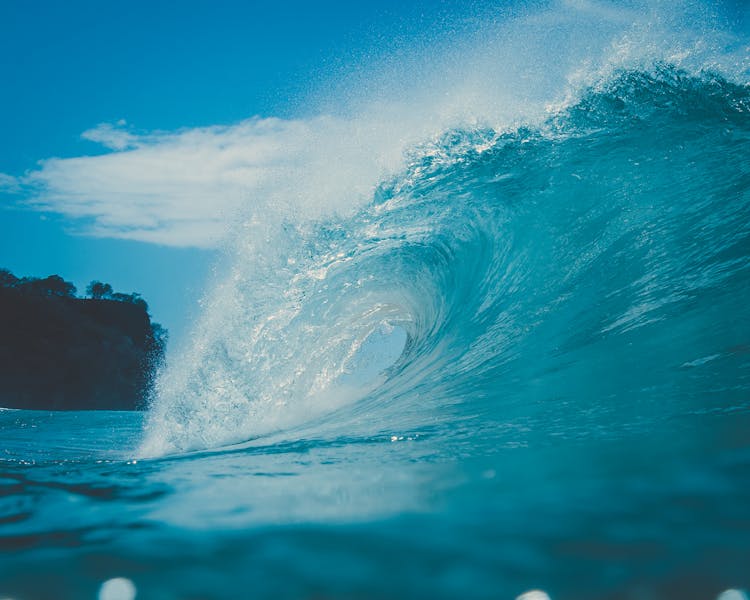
x,y
185,188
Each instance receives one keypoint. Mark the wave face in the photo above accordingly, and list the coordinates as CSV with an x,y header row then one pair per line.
x,y
580,277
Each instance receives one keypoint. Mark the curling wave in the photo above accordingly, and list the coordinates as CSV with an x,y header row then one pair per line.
x,y
583,273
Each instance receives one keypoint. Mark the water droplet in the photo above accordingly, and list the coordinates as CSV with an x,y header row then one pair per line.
x,y
534,595
118,588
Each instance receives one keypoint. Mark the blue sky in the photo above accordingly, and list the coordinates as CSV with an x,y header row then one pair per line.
x,y
133,131
145,66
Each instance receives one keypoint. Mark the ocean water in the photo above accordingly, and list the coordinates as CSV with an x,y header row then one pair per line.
x,y
520,361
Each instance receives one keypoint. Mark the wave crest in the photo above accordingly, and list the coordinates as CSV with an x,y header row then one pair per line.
x,y
571,266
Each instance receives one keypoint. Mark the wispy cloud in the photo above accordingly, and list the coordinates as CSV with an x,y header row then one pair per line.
x,y
186,188
177,188
9,183
114,137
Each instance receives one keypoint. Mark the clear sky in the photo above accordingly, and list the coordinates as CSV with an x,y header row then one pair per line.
x,y
130,130
140,67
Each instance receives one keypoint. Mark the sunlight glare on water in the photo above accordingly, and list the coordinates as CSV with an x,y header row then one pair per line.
x,y
119,588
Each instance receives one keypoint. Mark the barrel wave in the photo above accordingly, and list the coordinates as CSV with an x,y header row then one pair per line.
x,y
582,277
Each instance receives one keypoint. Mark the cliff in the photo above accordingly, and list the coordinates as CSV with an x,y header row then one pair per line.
x,y
61,352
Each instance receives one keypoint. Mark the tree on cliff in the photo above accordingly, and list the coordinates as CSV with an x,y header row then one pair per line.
x,y
54,285
103,291
7,279
61,352
98,290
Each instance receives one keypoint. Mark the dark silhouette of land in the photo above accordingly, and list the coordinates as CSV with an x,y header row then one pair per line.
x,y
61,352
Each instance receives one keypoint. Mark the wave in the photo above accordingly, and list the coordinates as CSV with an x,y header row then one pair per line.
x,y
578,274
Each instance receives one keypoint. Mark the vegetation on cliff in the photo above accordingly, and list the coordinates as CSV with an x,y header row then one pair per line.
x,y
62,352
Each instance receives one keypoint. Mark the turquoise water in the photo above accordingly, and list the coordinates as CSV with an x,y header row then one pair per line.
x,y
523,364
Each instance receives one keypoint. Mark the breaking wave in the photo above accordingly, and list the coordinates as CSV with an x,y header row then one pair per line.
x,y
581,269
